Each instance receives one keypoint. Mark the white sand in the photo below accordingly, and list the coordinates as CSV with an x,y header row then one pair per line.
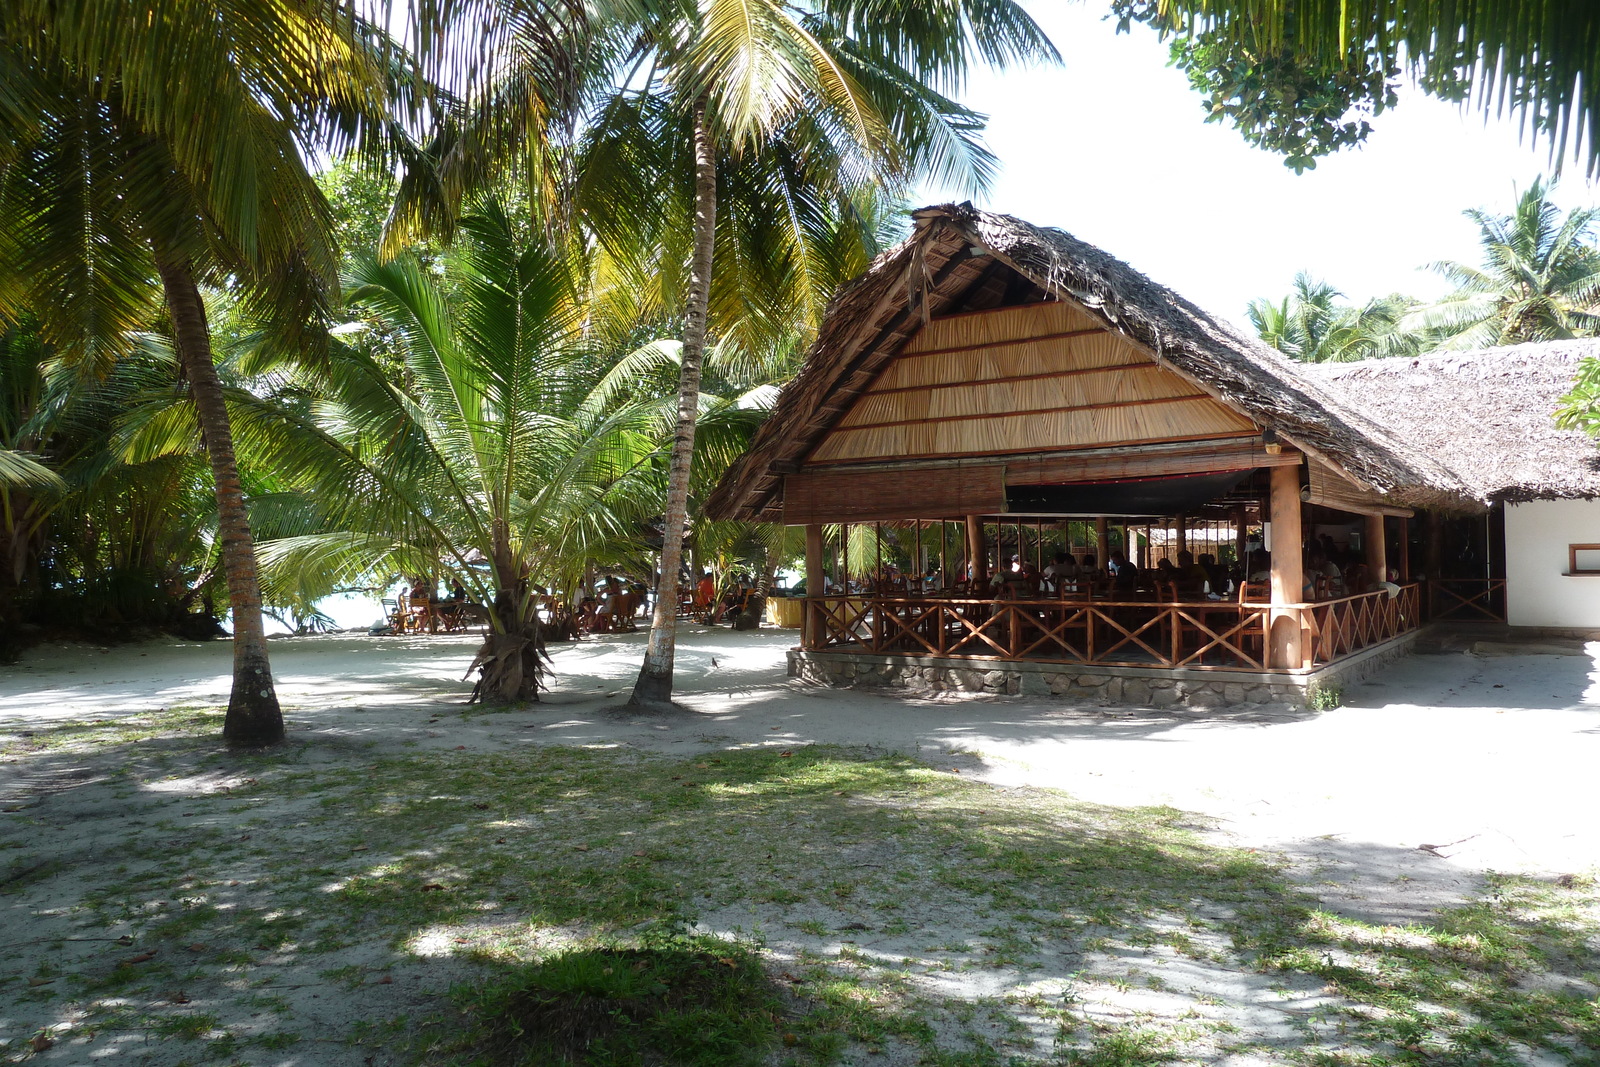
x,y
1489,758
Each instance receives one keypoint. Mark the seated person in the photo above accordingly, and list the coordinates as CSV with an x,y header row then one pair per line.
x,y
705,592
587,609
1260,567
1124,573
1088,569
1167,577
1192,578
1062,574
606,614
1320,570
1215,575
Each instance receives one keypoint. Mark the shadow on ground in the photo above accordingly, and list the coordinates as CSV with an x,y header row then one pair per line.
x,y
164,900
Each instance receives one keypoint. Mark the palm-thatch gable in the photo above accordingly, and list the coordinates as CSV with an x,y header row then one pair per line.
x,y
961,259
1485,414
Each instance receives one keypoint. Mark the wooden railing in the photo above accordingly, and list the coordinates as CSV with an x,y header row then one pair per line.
x,y
1467,599
1338,628
1208,635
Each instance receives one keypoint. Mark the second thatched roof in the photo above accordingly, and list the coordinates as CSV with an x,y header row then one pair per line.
x,y
1486,415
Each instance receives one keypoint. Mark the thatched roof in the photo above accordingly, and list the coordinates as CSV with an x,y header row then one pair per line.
x,y
960,258
1485,414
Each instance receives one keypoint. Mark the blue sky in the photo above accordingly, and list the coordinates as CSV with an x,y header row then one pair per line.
x,y
1113,147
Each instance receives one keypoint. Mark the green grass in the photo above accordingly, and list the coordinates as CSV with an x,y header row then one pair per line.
x,y
690,1001
540,868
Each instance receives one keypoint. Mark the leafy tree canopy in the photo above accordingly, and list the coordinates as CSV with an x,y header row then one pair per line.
x,y
1303,77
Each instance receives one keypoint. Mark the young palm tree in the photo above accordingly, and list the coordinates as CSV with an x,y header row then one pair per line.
x,y
488,457
1539,281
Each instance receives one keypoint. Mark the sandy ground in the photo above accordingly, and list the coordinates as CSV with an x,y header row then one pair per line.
x,y
1446,767
1489,759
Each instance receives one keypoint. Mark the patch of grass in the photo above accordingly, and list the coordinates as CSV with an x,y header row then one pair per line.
x,y
1127,1046
674,999
1324,697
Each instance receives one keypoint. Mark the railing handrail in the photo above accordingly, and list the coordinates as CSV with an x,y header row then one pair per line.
x,y
1057,602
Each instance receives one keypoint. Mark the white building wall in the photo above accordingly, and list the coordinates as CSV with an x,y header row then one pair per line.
x,y
1538,591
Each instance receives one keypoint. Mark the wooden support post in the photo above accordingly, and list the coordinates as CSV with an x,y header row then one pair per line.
x,y
1182,527
1377,549
1405,550
1288,578
1240,537
816,585
977,553
1102,542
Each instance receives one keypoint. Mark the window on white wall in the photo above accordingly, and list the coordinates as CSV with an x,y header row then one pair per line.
x,y
1583,559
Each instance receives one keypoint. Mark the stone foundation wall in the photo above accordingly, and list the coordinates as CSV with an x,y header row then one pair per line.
x,y
1140,686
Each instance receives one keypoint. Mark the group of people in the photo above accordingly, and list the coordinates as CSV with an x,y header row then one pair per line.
x,y
422,607
740,601
615,611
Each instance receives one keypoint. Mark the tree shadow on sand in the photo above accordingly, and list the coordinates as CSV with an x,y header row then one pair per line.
x,y
323,893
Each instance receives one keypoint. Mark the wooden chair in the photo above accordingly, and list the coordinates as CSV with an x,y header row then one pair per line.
x,y
625,607
395,614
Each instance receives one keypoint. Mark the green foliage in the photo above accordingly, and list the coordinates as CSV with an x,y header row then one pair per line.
x,y
1311,324
1539,279
1580,407
674,999
1278,99
1324,697
1302,76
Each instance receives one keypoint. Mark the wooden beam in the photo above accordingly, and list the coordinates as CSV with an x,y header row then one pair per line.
x,y
1102,541
1377,552
1288,574
920,353
977,553
816,583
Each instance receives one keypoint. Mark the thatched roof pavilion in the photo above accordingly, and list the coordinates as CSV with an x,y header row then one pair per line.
x,y
990,389
1484,414
961,260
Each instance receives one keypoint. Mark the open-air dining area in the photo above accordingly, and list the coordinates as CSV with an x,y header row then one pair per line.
x,y
1014,457
1179,601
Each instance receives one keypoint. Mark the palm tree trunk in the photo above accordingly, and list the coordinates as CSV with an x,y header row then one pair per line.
x,y
253,718
653,689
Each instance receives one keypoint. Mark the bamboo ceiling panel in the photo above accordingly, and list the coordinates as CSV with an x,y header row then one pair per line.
x,y
1175,420
1003,324
1040,378
1015,359
1101,388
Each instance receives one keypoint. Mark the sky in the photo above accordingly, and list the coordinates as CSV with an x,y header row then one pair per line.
x,y
1113,147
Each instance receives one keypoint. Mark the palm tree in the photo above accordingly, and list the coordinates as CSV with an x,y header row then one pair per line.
x,y
1539,281
808,95
490,455
172,161
1312,325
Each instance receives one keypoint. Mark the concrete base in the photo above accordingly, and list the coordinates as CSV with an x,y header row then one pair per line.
x,y
1077,683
